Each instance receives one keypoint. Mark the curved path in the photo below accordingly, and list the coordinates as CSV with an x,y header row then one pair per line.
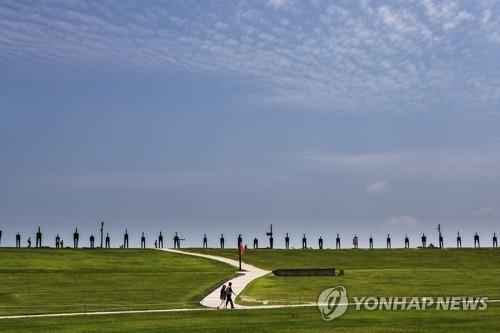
x,y
210,302
248,274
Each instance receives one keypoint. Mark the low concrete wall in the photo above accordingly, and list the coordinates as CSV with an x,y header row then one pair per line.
x,y
305,272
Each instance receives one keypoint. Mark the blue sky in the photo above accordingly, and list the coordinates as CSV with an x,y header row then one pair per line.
x,y
351,117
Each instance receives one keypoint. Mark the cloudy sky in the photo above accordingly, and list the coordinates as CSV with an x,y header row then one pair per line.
x,y
321,117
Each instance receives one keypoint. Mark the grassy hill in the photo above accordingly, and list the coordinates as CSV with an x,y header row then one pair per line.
x,y
421,273
49,280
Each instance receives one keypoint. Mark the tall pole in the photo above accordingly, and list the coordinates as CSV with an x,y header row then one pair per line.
x,y
239,253
102,231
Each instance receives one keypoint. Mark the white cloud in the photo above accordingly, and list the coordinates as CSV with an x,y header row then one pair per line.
x,y
401,221
484,211
431,163
277,3
387,15
377,187
350,58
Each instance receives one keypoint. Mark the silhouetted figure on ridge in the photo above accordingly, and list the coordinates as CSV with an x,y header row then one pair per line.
x,y
177,242
205,241
240,240
304,242
102,233
107,242
92,241
337,242
160,241
38,242
459,240
495,241
476,241
255,243
287,241
407,242
58,241
62,244
143,241
125,239
29,242
221,241
156,244
270,235
441,242
76,238
18,240
424,240
388,242
320,243
355,242
371,242
0,237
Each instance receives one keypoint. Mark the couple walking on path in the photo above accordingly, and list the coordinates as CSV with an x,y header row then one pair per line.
x,y
226,295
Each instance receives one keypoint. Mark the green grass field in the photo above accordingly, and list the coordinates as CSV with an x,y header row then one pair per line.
x,y
49,280
39,281
420,273
297,320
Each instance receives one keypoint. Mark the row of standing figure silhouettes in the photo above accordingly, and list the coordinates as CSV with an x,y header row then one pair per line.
x,y
59,243
158,243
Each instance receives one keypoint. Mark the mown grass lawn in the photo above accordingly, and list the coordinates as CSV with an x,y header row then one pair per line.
x,y
403,273
67,280
297,320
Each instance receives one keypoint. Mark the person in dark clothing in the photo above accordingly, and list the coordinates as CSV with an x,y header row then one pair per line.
x,y
222,296
441,243
476,241
18,240
29,241
38,238
58,241
337,242
76,238
205,241
160,241
221,241
287,241
424,240
125,239
240,240
229,295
